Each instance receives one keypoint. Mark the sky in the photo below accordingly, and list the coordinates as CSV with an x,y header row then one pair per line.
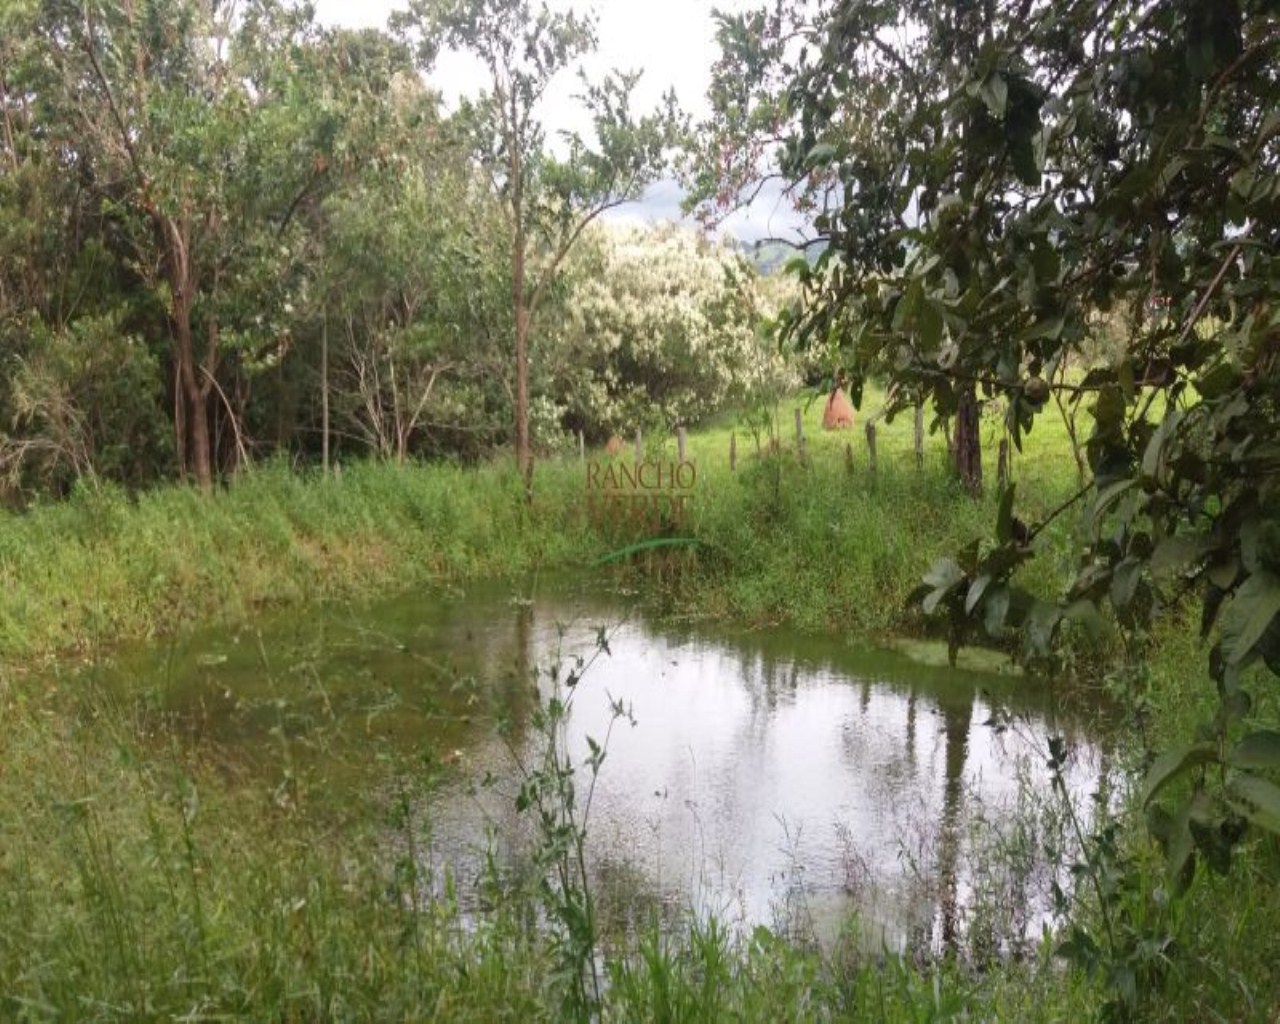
x,y
671,41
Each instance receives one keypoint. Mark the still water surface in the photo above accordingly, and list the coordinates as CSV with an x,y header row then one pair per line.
x,y
770,776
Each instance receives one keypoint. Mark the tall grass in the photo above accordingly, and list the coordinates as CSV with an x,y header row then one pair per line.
x,y
806,540
103,566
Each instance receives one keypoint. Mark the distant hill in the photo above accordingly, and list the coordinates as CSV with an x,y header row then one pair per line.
x,y
770,257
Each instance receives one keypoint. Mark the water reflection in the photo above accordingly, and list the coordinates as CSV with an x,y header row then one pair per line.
x,y
770,777
775,776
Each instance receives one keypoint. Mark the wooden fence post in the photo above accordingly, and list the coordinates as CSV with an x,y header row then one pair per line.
x,y
800,432
582,445
919,435
733,452
1002,464
680,442
871,445
639,446
848,457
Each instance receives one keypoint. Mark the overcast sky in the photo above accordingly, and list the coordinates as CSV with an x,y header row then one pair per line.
x,y
671,41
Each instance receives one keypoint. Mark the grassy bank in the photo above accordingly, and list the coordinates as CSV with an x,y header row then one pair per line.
x,y
104,567
140,879
814,541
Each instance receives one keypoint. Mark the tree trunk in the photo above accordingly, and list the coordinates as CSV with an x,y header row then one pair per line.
x,y
194,397
196,410
324,393
519,300
524,453
968,442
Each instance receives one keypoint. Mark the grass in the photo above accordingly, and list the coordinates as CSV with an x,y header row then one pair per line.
x,y
806,541
104,567
141,881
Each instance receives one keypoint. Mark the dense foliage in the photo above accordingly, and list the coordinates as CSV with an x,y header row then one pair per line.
x,y
992,179
660,328
229,232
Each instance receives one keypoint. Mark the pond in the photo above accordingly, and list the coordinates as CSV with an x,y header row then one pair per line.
x,y
767,777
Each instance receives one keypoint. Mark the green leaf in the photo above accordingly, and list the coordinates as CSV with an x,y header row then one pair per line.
x,y
1175,840
1124,582
930,325
1223,571
1217,381
944,574
905,311
976,589
1050,329
1247,617
1153,457
1107,497
1256,799
1170,765
649,545
1212,844
1085,613
1079,949
1004,518
995,94
1109,408
1260,749
821,154
935,598
1174,555
1041,622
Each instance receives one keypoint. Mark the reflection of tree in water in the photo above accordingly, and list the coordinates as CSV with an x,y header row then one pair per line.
x,y
885,749
767,676
517,684
956,723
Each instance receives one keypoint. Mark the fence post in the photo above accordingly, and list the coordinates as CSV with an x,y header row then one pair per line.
x,y
1002,464
848,457
639,446
680,442
800,431
871,445
582,445
919,435
733,452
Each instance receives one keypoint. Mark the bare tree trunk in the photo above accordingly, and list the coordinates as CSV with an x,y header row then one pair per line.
x,y
197,413
968,442
182,286
524,454
201,444
324,393
520,301
179,423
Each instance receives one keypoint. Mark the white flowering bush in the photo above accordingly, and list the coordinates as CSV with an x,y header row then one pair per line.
x,y
657,328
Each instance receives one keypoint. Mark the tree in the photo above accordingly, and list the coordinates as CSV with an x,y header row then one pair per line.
x,y
385,281
549,200
659,326
204,164
1032,167
397,259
